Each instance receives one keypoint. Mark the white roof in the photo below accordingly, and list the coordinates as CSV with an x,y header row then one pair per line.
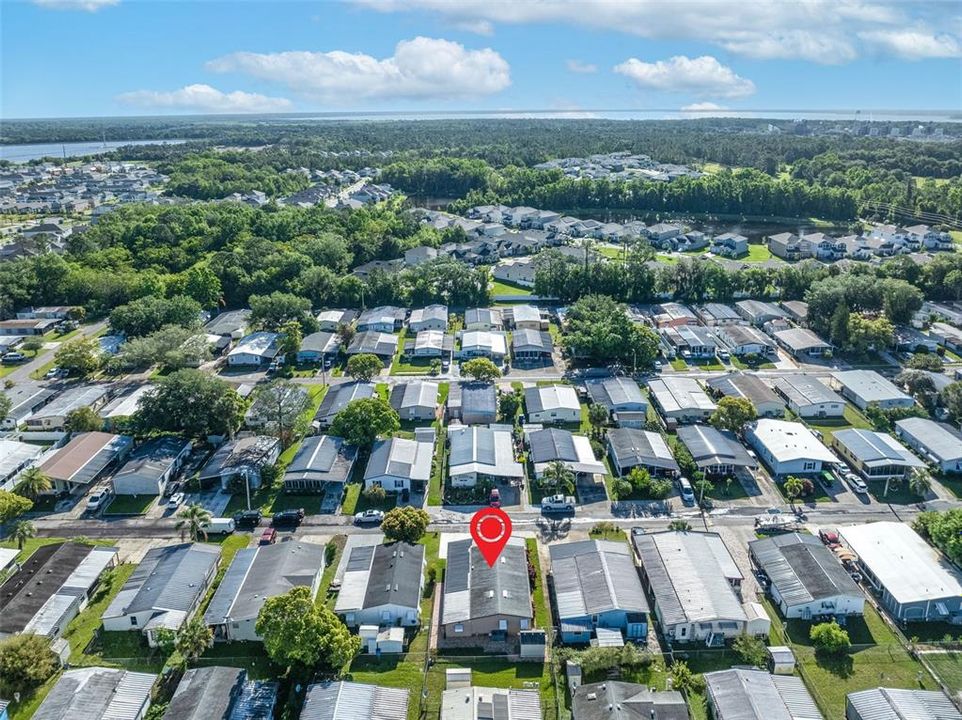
x,y
259,343
492,341
909,568
551,397
472,703
429,339
126,405
675,394
482,450
788,441
870,386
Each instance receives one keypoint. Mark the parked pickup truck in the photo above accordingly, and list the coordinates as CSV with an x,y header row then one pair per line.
x,y
558,503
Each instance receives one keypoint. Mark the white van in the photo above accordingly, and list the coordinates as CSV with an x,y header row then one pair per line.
x,y
219,526
687,492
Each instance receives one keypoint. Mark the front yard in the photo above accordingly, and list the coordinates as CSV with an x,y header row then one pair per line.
x,y
130,504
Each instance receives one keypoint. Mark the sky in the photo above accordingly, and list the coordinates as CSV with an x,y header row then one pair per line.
x,y
84,58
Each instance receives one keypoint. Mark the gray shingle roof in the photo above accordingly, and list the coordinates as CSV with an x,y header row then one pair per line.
x,y
262,572
473,590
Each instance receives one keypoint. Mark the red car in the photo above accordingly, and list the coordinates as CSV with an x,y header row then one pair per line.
x,y
268,537
829,538
494,499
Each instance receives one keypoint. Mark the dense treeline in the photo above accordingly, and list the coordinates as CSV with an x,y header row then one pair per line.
x,y
742,192
212,176
729,141
895,288
222,253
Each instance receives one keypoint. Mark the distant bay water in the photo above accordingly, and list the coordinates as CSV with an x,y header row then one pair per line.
x,y
26,153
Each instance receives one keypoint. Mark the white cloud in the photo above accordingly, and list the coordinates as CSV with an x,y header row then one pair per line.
x,y
204,98
420,69
478,27
913,44
701,107
699,76
86,5
822,31
582,68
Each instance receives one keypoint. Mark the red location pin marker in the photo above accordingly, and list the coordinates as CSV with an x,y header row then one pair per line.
x,y
491,528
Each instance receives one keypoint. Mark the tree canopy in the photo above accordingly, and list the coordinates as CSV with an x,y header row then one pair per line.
x,y
361,422
191,402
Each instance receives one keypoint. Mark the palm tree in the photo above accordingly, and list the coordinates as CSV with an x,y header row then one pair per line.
x,y
793,488
194,638
598,417
920,481
23,531
193,518
33,483
558,476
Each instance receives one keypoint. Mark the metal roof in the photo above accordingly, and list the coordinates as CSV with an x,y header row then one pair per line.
x,y
14,455
262,344
941,441
321,342
385,314
354,701
322,458
426,314
240,453
474,590
263,572
617,393
82,459
710,446
909,568
378,575
170,578
876,449
228,322
595,576
71,399
551,444
492,341
800,339
806,390
758,308
741,694
633,447
615,700
898,704
870,386
482,450
96,693
674,394
482,703
152,459
802,569
339,396
125,405
689,576
414,394
401,458
527,339
483,316
750,387
786,441
221,693
736,335
373,342
719,311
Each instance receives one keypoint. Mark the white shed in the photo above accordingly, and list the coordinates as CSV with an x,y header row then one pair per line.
x,y
781,660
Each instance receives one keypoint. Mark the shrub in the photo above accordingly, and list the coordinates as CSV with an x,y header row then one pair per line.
x,y
830,638
375,494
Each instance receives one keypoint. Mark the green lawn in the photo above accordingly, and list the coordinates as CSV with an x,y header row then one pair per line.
x,y
828,427
31,354
666,259
956,236
679,364
499,287
542,608
757,253
411,366
82,629
130,504
948,667
355,501
877,659
610,252
438,469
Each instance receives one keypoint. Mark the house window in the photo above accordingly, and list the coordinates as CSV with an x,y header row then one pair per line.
x,y
386,615
133,619
525,623
459,628
502,624
809,466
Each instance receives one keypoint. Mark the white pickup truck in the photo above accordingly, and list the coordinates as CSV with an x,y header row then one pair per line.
x,y
558,503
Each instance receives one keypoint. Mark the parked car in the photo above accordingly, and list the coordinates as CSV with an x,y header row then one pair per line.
x,y
686,491
288,518
558,503
268,537
247,518
856,483
494,499
369,517
98,499
175,500
171,489
56,373
829,537
14,357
